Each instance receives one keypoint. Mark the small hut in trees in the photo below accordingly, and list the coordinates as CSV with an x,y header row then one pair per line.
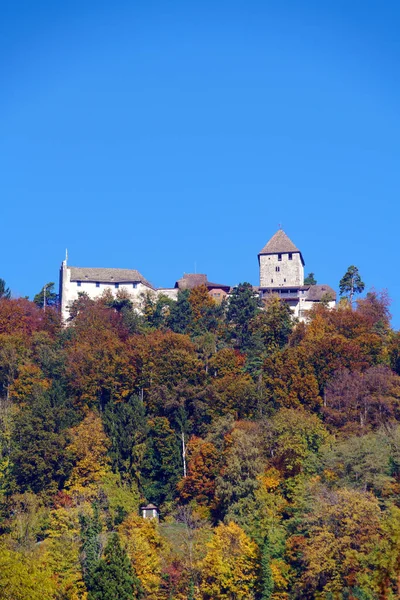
x,y
149,512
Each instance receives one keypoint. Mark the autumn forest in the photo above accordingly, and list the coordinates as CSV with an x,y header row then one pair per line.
x,y
271,449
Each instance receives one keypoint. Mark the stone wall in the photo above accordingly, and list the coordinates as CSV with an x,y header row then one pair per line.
x,y
281,270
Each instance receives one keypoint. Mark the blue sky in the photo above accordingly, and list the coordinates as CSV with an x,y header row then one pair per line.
x,y
169,136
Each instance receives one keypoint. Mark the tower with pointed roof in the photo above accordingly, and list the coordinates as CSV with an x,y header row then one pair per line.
x,y
281,263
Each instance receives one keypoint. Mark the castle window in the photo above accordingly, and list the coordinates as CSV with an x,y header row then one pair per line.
x,y
290,256
279,256
272,281
277,269
78,283
117,285
284,280
134,285
97,284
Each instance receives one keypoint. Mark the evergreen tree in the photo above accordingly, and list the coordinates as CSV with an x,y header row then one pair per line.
x,y
113,578
351,283
267,583
46,295
126,426
162,465
310,279
5,292
181,316
90,531
244,305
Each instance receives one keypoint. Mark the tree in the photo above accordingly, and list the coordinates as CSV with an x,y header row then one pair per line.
x,y
351,283
342,529
244,304
23,577
267,582
90,526
89,445
275,323
126,426
242,463
113,578
39,459
181,314
230,568
310,279
162,462
5,292
47,296
144,546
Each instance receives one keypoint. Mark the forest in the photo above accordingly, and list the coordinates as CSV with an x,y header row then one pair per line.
x,y
270,447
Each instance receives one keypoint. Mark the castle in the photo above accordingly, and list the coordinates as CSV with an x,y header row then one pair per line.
x,y
281,272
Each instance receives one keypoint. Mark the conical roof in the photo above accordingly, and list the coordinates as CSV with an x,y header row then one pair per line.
x,y
279,243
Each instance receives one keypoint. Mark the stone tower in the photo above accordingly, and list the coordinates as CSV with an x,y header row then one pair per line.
x,y
281,263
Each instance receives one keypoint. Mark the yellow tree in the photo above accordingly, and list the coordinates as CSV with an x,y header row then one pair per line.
x,y
230,569
89,446
25,576
144,545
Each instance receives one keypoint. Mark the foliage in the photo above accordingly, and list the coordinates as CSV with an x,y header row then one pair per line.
x,y
351,283
88,447
23,577
47,296
5,292
230,567
113,578
310,279
291,432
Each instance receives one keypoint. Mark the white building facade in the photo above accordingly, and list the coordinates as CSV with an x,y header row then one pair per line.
x,y
95,281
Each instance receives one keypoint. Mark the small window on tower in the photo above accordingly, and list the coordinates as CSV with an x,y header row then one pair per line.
x,y
272,281
117,285
290,256
277,269
97,284
279,256
134,285
78,283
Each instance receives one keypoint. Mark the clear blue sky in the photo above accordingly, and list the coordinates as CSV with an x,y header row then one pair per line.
x,y
159,135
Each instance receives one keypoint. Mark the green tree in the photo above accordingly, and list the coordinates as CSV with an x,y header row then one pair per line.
x,y
113,578
162,464
244,305
267,582
126,426
274,323
237,482
351,283
90,555
181,315
47,296
5,292
39,459
310,279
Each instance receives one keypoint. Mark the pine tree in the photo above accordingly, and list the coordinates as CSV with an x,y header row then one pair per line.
x,y
351,283
90,530
267,583
113,578
5,292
